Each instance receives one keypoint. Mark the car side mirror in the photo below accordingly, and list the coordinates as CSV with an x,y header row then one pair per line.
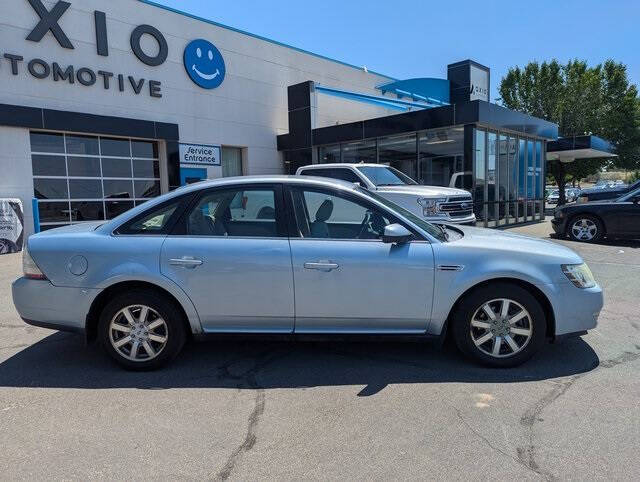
x,y
396,234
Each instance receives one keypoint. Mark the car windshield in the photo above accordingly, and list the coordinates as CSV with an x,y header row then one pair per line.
x,y
628,196
385,176
434,231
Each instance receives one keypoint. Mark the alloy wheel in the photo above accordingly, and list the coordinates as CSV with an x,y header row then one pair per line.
x,y
584,229
138,333
501,328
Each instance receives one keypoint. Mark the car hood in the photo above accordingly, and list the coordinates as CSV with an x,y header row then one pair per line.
x,y
483,239
427,191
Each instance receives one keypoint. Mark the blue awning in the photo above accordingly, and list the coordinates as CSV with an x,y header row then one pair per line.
x,y
571,148
433,91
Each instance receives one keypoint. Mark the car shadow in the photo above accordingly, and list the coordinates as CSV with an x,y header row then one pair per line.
x,y
63,361
617,243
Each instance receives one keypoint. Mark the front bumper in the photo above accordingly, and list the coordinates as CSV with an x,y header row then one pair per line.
x,y
467,220
576,310
42,304
559,225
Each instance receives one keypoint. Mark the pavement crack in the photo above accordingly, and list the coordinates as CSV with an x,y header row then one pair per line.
x,y
489,443
247,379
527,454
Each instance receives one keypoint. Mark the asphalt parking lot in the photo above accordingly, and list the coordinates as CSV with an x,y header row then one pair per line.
x,y
254,410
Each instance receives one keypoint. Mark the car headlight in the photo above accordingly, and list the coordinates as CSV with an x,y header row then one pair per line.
x,y
430,206
579,274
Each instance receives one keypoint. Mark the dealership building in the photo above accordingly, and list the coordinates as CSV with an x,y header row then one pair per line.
x,y
106,104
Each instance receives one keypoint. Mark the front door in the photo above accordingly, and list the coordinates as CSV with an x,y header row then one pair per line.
x,y
346,279
627,216
230,253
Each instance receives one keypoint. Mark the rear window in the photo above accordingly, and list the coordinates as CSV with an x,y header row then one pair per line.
x,y
155,221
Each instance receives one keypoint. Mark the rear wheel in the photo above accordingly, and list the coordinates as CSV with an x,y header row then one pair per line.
x,y
500,325
586,228
141,330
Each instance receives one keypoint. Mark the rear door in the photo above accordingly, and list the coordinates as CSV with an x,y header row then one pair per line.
x,y
230,253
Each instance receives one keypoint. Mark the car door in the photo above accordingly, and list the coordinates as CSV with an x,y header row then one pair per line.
x,y
346,279
230,253
627,216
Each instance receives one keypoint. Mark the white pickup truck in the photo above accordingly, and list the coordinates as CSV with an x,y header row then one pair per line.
x,y
432,203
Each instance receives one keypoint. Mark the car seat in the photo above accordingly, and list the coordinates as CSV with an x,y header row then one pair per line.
x,y
319,228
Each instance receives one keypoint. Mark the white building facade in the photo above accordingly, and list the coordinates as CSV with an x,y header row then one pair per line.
x,y
104,104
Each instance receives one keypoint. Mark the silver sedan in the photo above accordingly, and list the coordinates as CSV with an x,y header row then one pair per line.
x,y
299,256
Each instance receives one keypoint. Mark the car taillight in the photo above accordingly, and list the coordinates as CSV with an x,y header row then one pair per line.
x,y
29,266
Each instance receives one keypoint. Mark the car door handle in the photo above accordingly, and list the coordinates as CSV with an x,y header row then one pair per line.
x,y
185,262
322,266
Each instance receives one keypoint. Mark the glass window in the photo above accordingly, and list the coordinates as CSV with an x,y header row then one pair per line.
x,y
503,177
118,189
522,180
245,213
44,142
84,166
154,222
327,216
441,156
480,174
231,161
146,189
115,147
87,211
84,145
343,174
116,167
50,188
144,168
54,212
385,176
48,165
144,149
116,208
85,189
492,176
329,154
363,151
399,152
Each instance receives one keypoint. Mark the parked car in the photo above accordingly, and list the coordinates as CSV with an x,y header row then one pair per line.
x,y
592,221
319,257
432,203
600,194
571,194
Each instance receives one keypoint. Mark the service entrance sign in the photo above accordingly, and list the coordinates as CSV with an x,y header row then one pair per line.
x,y
200,154
11,226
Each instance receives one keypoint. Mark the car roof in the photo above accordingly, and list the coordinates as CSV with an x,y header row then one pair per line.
x,y
342,164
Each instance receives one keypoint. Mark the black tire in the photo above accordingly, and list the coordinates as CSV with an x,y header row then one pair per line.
x,y
473,302
589,220
173,329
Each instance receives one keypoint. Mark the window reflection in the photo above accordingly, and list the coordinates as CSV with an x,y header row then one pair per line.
x,y
354,152
399,152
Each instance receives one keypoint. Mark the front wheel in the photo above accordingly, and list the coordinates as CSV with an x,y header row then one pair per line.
x,y
586,228
141,330
499,325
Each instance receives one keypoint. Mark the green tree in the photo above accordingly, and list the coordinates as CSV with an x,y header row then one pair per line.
x,y
581,100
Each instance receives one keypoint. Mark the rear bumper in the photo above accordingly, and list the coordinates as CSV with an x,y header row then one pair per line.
x,y
42,304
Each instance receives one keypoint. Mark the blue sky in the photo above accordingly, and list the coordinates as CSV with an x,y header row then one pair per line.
x,y
418,38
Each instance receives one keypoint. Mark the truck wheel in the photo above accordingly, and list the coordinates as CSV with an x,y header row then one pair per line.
x,y
141,330
499,325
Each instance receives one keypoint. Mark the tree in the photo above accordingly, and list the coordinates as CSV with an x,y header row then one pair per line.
x,y
581,100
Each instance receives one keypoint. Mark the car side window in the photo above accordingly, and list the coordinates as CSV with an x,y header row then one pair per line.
x,y
324,215
234,212
155,221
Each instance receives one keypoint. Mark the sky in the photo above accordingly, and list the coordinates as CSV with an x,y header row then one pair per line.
x,y
414,38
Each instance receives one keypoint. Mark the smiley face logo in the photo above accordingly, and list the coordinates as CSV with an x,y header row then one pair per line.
x,y
204,64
